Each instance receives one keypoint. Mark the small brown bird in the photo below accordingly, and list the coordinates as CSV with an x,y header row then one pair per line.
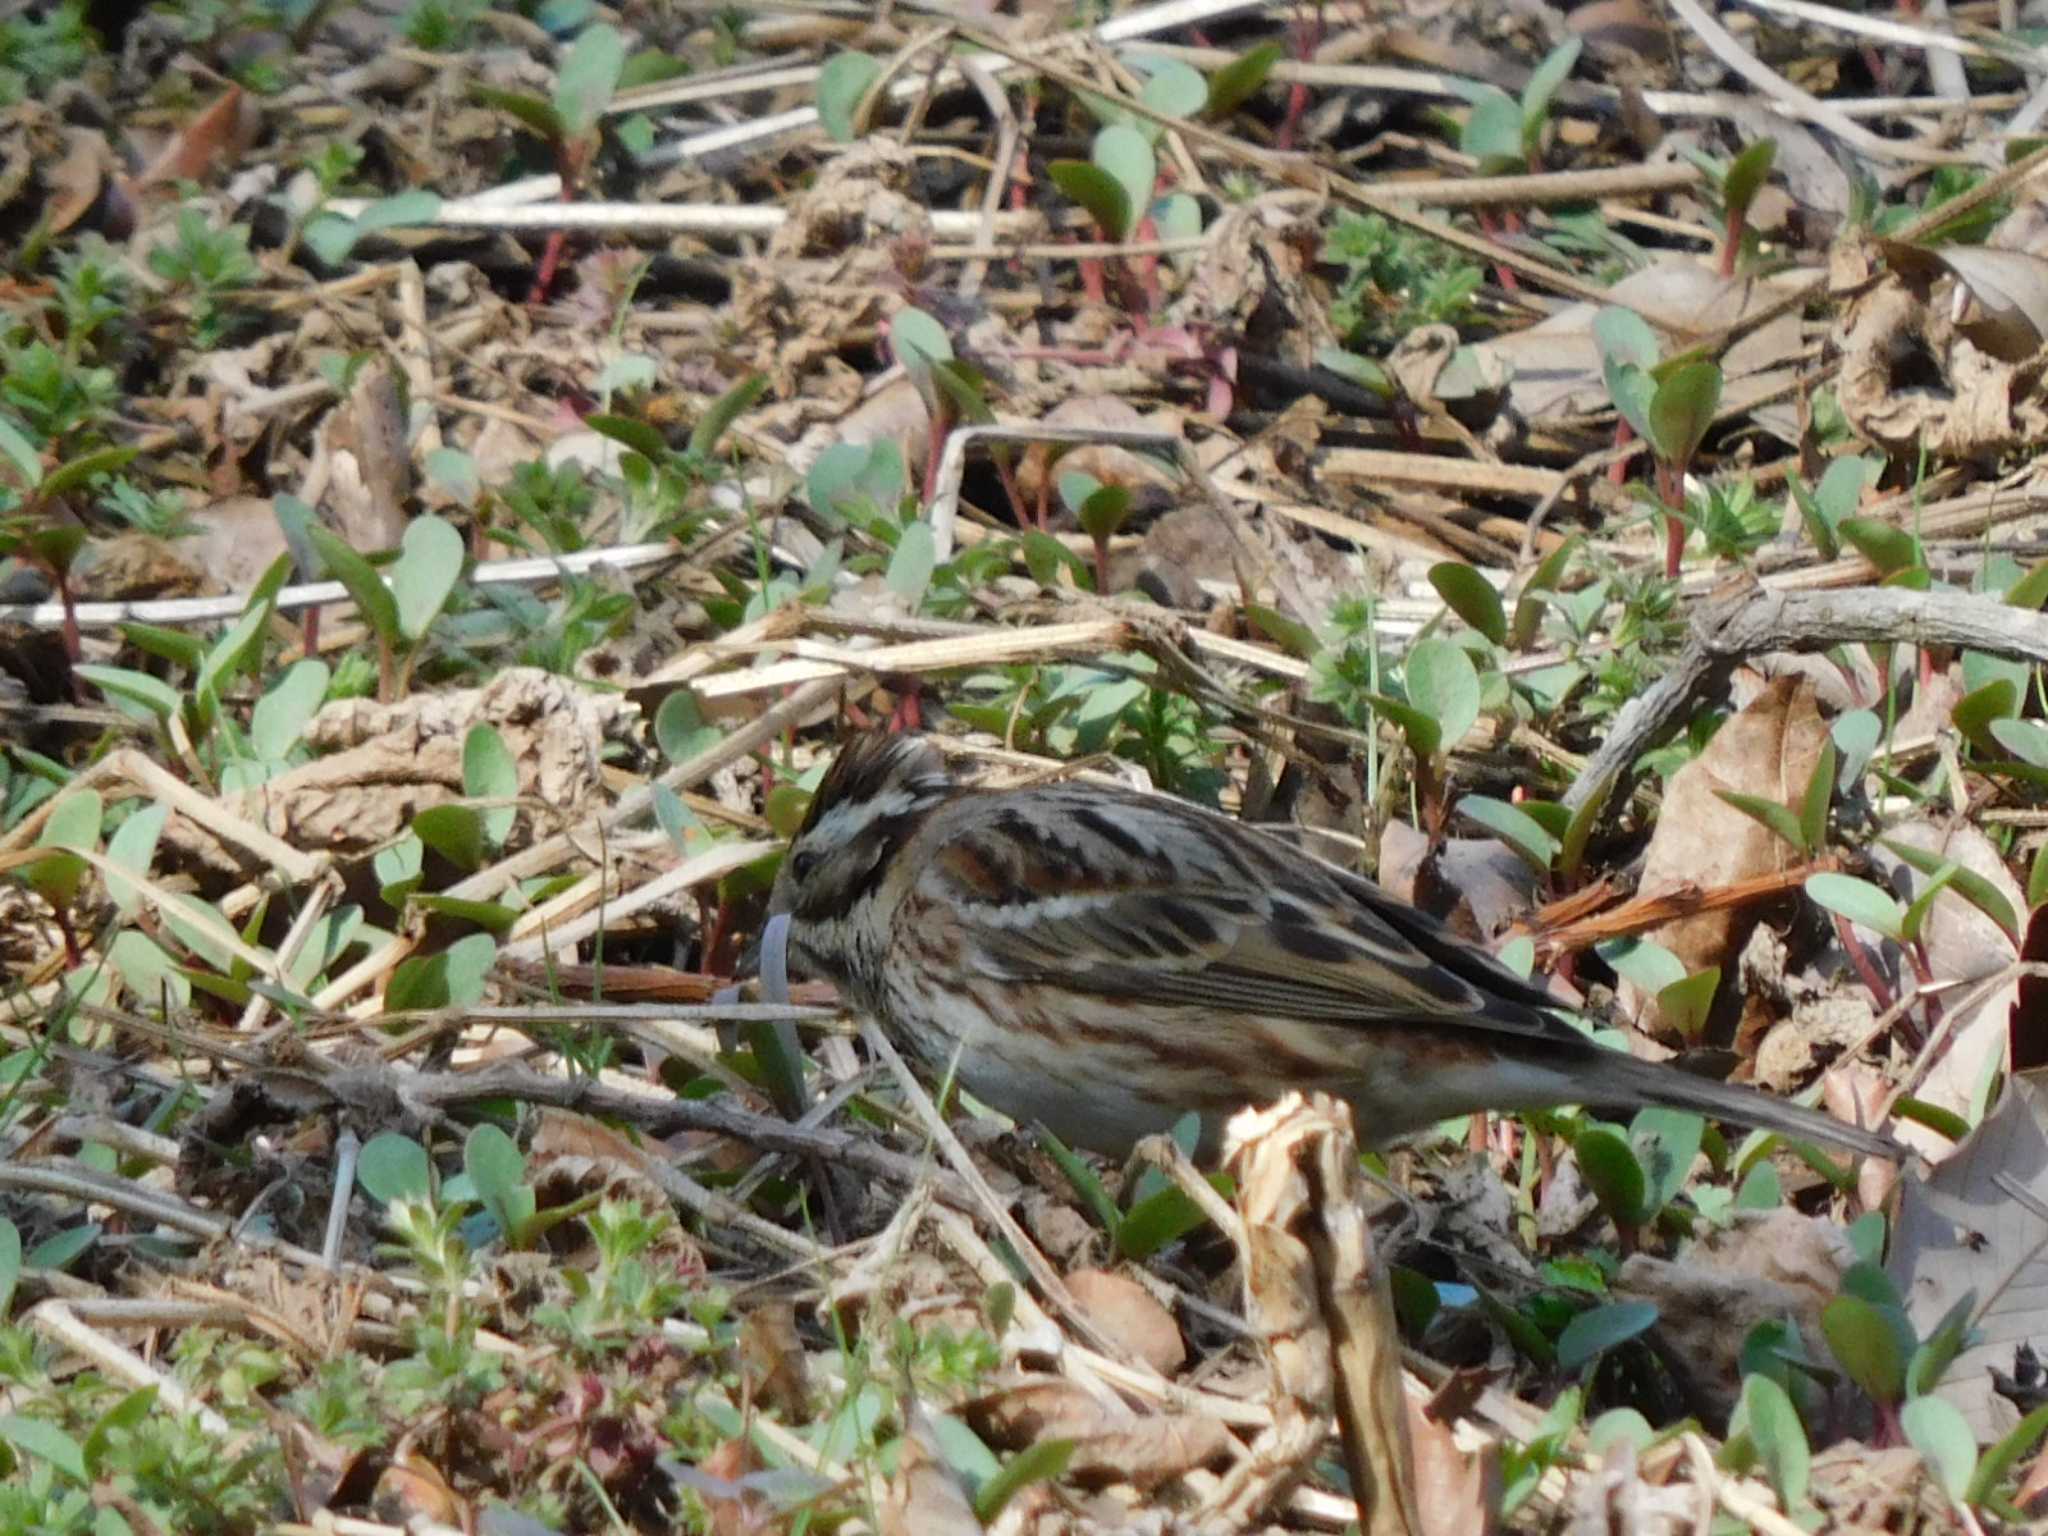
x,y
1103,962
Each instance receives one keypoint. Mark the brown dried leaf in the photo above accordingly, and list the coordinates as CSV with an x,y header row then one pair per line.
x,y
1128,1313
1457,1490
1976,1224
925,1497
1981,405
219,134
772,1361
1768,749
1112,1444
1962,943
74,179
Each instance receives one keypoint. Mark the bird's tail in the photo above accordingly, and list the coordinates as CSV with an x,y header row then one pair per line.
x,y
1632,1080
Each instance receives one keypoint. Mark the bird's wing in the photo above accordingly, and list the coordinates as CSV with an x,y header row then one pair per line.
x,y
1229,919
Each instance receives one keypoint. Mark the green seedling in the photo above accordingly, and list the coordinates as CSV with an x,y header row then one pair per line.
x,y
1669,404
570,122
206,264
1159,1212
1505,135
1737,183
497,1174
332,236
398,614
1100,510
1442,703
1824,508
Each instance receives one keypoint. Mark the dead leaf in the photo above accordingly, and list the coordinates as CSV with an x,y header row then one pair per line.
x,y
216,137
1977,404
238,538
2001,297
74,180
1112,1444
1128,1313
1457,1490
772,1360
1768,750
925,1497
1979,1223
1961,944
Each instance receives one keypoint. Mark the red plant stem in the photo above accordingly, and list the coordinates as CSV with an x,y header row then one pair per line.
x,y
1091,280
1007,473
1624,434
1731,241
1671,490
73,646
1866,967
550,263
1490,226
1102,567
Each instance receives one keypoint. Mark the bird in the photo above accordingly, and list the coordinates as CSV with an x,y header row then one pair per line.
x,y
1102,961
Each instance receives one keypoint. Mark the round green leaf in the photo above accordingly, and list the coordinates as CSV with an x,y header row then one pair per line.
x,y
1492,134
1121,151
10,1264
494,1163
1441,681
1890,549
1683,409
428,566
456,832
1642,962
1513,826
1095,190
1234,83
1866,1342
393,1167
1173,89
918,341
680,729
1747,175
1543,83
1613,1174
912,563
589,76
1859,901
1779,1437
1943,1437
45,1441
372,598
131,848
1471,597
2026,740
1593,1333
841,84
153,694
488,773
280,717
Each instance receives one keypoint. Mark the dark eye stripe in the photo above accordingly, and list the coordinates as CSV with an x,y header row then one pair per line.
x,y
850,875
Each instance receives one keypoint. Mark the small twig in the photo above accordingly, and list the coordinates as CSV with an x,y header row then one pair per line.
x,y
1753,621
1724,46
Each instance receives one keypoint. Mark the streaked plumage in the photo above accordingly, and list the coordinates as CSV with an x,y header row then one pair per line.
x,y
1104,961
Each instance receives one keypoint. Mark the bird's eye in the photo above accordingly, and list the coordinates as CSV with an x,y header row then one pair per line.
x,y
804,862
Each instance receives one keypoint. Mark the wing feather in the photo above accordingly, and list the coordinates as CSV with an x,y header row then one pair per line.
x,y
1233,919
